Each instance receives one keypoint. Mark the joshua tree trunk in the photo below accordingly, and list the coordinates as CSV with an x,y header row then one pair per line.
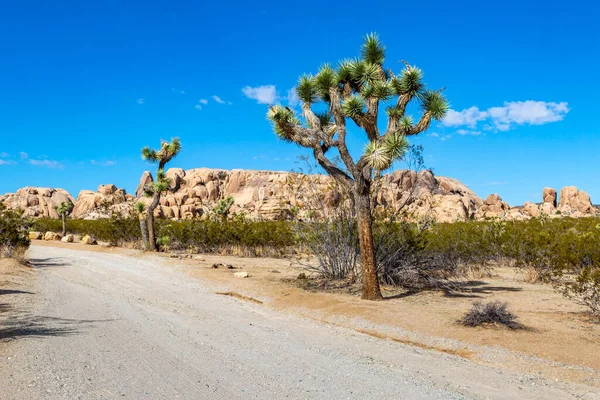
x,y
144,230
150,222
64,224
362,204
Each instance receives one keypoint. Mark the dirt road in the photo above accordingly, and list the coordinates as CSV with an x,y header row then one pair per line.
x,y
108,326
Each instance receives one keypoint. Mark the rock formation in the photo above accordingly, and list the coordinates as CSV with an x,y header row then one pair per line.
x,y
37,202
101,203
493,207
574,202
283,195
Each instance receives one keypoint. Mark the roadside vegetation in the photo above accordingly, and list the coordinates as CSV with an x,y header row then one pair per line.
x,y
14,238
562,252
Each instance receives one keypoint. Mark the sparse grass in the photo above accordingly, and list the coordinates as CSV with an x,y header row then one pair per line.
x,y
493,312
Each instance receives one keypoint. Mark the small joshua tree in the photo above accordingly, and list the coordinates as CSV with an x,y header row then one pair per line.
x,y
224,207
64,210
354,92
154,190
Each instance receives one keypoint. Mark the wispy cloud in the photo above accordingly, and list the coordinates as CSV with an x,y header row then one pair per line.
x,y
198,107
107,163
7,162
292,97
266,94
468,132
141,101
46,163
177,91
509,115
203,101
23,155
4,155
218,99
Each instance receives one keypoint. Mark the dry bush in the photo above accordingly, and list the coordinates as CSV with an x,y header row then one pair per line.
x,y
531,275
493,312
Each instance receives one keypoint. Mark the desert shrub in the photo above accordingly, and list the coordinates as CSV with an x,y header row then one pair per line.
x,y
494,312
237,236
14,238
116,230
404,258
334,245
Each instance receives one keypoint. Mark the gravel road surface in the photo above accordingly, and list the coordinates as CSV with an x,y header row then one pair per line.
x,y
109,326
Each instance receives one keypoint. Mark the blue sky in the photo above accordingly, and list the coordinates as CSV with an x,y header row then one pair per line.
x,y
85,85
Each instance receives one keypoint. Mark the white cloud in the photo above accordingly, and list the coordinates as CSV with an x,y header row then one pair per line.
x,y
218,99
203,101
266,94
511,113
198,107
46,163
177,91
23,155
469,117
468,132
292,97
434,134
7,162
141,101
107,163
4,155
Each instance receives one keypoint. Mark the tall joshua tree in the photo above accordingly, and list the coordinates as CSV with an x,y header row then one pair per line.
x,y
154,190
353,92
63,210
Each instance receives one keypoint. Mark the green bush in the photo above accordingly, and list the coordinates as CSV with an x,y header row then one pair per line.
x,y
14,238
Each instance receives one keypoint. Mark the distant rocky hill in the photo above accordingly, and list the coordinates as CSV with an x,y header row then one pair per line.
x,y
285,195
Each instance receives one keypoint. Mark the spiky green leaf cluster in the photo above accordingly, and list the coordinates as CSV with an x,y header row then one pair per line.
x,y
373,51
353,106
378,156
149,154
65,208
307,90
409,82
381,154
325,79
435,104
396,144
281,117
405,123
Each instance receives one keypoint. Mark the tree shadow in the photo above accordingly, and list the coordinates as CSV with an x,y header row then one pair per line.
x,y
47,262
468,289
13,291
18,327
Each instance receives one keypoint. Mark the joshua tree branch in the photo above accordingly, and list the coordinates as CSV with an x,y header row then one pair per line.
x,y
340,122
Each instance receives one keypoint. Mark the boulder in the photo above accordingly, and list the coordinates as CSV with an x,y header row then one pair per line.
x,y
88,240
492,207
530,209
241,274
144,180
68,239
51,236
574,201
549,196
36,235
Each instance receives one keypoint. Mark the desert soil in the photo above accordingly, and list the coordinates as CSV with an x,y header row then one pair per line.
x,y
115,323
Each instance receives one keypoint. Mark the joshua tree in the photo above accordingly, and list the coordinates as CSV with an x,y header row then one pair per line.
x,y
353,92
167,151
63,210
224,207
139,208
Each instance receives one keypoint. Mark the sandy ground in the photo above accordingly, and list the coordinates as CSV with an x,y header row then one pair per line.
x,y
116,323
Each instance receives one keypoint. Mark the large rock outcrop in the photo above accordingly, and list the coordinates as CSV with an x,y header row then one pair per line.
x,y
36,201
284,195
573,201
100,204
